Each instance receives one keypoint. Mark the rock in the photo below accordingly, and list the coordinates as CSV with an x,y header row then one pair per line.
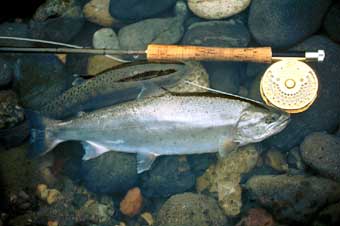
x,y
224,178
294,159
157,30
11,114
257,217
254,89
332,22
97,11
148,218
95,212
20,172
199,163
14,30
98,64
42,191
276,160
286,22
57,21
132,203
52,223
224,76
6,72
110,172
195,74
39,79
138,9
190,209
75,62
217,9
169,175
53,196
105,38
330,216
321,152
293,199
230,33
325,105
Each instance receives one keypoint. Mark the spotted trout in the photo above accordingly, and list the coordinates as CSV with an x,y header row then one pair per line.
x,y
163,125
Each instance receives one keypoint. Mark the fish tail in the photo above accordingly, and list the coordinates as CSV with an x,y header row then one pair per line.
x,y
42,137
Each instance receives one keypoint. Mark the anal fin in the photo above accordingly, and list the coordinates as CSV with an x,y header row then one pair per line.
x,y
145,160
93,150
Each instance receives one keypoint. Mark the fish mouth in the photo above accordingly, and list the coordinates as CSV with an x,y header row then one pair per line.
x,y
281,125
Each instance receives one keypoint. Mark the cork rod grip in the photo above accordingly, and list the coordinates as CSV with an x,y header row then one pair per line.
x,y
157,52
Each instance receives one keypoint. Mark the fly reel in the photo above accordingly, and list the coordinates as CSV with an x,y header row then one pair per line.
x,y
290,85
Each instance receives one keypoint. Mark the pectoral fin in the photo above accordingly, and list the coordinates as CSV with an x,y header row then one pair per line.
x,y
144,161
150,89
93,150
227,146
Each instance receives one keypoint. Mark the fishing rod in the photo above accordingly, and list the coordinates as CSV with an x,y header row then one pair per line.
x,y
157,52
288,84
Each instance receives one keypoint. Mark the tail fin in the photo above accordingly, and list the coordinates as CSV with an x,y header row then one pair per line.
x,y
42,138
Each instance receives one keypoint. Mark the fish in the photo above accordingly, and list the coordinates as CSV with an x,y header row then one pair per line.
x,y
169,124
119,84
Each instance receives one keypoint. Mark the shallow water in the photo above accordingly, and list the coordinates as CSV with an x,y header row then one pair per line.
x,y
291,178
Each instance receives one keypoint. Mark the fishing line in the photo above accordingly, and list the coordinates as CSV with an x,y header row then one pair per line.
x,y
59,44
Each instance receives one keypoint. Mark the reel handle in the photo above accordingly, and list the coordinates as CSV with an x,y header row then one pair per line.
x,y
156,52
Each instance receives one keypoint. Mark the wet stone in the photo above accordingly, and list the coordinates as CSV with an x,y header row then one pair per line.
x,y
329,216
230,33
138,9
321,152
15,30
293,199
97,11
169,175
285,23
110,172
323,115
332,22
190,209
217,9
6,72
157,30
39,79
57,20
105,38
10,113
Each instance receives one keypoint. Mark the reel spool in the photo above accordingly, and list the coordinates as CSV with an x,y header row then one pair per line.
x,y
290,85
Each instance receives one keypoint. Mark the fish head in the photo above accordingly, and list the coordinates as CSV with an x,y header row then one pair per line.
x,y
259,123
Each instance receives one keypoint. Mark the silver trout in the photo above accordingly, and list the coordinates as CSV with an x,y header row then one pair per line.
x,y
164,125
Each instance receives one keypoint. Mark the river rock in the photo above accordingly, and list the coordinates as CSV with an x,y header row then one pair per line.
x,y
293,199
57,20
14,30
321,152
105,38
230,33
276,160
6,72
97,11
330,216
138,9
169,175
224,178
332,22
190,209
156,30
257,217
285,23
110,172
39,79
323,115
97,64
13,126
217,9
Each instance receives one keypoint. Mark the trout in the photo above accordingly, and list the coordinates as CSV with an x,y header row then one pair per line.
x,y
163,125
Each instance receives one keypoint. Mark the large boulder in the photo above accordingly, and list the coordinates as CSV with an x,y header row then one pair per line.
x,y
285,23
